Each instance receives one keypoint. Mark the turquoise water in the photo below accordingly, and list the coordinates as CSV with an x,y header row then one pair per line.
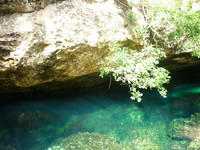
x,y
38,121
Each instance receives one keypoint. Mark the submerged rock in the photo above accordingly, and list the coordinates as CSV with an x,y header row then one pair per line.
x,y
8,147
96,141
111,121
34,119
185,128
144,143
90,141
195,144
126,123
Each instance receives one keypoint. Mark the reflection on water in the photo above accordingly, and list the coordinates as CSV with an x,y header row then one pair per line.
x,y
97,118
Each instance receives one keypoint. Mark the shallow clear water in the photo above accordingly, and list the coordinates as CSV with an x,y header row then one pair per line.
x,y
36,121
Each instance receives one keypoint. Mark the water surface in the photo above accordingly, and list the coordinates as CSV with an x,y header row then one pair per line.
x,y
37,121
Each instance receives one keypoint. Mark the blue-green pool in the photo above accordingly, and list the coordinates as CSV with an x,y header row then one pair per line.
x,y
42,121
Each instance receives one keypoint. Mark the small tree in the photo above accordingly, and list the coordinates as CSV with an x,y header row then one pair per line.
x,y
138,70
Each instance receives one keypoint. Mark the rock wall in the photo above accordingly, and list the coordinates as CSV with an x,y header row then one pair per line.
x,y
23,6
46,44
56,41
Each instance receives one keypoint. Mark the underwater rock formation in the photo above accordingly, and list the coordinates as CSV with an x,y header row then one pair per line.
x,y
185,128
34,119
57,42
7,147
86,140
195,144
102,120
143,143
98,141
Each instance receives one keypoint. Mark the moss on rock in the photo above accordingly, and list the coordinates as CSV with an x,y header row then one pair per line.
x,y
96,141
89,141
143,143
185,128
110,121
195,144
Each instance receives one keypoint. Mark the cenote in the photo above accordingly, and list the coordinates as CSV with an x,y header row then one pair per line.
x,y
102,118
53,54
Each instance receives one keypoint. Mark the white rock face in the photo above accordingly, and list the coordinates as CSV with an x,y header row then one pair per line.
x,y
63,41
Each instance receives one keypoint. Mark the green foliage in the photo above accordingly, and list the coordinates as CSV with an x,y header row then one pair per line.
x,y
131,16
171,26
138,70
196,53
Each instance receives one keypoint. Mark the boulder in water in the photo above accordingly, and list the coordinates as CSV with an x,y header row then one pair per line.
x,y
34,119
93,141
185,128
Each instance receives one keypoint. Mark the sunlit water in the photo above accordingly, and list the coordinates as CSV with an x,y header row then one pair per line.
x,y
37,121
